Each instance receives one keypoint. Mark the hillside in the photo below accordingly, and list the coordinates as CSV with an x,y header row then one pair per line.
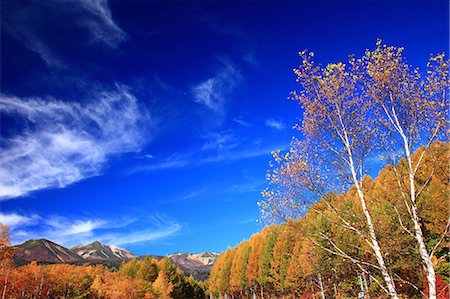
x,y
198,265
100,251
44,251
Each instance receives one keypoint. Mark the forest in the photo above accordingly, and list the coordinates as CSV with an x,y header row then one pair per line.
x,y
298,259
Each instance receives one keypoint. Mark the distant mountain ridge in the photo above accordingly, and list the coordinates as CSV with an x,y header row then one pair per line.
x,y
44,251
47,252
204,258
100,251
199,265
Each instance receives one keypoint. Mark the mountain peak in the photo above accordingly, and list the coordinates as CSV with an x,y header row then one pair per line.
x,y
203,258
101,251
44,250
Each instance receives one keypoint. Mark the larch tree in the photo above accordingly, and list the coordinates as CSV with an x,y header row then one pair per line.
x,y
148,270
256,242
295,274
216,272
225,273
238,278
162,285
266,259
131,268
282,252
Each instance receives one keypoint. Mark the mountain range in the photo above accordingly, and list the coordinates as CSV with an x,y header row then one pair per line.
x,y
47,252
101,251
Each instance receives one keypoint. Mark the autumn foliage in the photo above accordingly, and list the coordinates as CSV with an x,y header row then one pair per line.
x,y
147,278
297,260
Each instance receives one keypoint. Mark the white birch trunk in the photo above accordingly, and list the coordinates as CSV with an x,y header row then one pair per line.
x,y
322,292
374,242
373,237
418,234
343,135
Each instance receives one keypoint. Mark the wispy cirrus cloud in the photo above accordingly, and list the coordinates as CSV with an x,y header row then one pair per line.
x,y
220,142
28,23
147,235
70,231
213,92
275,124
185,159
96,16
250,58
66,142
25,24
242,122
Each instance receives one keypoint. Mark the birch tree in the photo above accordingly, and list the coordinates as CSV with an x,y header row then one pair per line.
x,y
337,126
411,113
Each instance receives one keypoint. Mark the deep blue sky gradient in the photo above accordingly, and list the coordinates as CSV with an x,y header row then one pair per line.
x,y
196,175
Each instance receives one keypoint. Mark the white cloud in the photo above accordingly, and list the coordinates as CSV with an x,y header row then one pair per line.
x,y
213,92
14,220
29,22
184,159
240,121
220,142
80,226
251,59
275,124
249,186
67,142
144,235
69,231
99,21
193,194
24,27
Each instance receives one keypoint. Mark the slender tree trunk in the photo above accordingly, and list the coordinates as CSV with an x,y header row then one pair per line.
x,y
418,234
6,284
373,237
334,285
372,234
366,286
322,292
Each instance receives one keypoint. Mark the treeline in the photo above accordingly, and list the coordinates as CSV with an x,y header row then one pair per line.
x,y
324,253
147,278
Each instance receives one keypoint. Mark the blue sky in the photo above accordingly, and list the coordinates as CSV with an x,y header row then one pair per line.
x,y
150,125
